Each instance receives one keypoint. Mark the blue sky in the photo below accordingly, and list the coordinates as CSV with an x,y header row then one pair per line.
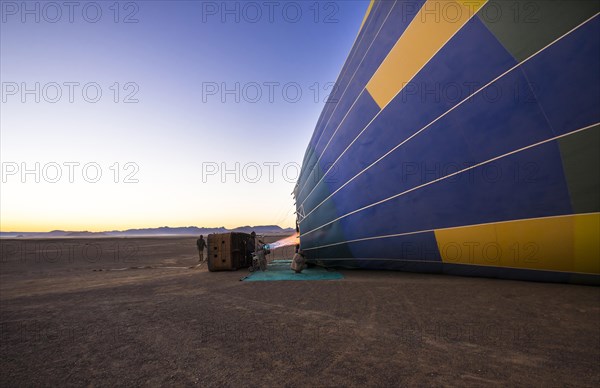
x,y
141,153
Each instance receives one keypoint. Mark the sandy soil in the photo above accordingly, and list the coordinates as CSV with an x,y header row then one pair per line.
x,y
64,322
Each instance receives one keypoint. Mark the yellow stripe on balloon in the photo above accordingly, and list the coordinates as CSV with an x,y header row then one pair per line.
x,y
564,243
433,26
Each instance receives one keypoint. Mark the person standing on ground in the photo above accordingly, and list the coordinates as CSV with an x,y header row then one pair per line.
x,y
250,246
201,244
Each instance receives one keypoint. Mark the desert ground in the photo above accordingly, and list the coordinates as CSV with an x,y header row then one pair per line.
x,y
74,312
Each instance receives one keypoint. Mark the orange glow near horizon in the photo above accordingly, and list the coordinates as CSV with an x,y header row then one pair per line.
x,y
96,214
81,227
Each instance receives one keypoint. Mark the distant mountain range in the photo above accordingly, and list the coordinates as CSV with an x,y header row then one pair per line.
x,y
162,231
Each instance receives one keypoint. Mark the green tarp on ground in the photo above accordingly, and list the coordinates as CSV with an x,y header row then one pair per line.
x,y
280,270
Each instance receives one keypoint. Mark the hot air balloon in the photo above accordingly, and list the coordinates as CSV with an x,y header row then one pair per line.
x,y
462,137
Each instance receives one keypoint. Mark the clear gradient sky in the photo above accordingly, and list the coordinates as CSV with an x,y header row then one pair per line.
x,y
175,61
